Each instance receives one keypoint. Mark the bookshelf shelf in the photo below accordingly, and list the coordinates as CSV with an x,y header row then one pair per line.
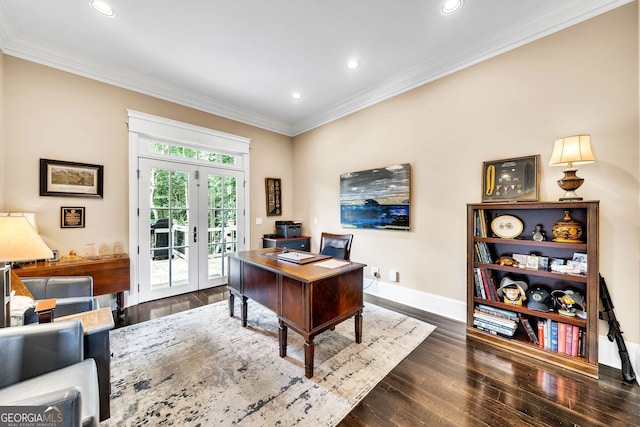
x,y
575,339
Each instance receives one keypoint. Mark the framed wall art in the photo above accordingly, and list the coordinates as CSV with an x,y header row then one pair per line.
x,y
71,217
511,179
273,190
376,198
71,179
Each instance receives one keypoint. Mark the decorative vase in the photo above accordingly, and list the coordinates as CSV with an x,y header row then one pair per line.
x,y
538,235
567,230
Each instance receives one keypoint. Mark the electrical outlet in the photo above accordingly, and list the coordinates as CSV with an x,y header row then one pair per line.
x,y
393,275
375,272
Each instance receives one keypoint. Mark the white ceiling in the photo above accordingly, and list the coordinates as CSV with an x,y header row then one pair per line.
x,y
242,59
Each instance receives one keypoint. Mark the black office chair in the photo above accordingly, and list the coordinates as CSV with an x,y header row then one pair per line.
x,y
336,245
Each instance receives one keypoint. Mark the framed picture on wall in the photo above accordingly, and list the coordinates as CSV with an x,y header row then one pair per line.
x,y
71,179
511,179
71,217
273,194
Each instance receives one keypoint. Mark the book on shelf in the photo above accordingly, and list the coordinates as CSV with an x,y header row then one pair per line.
x,y
482,253
554,336
480,223
486,284
541,336
528,329
477,278
489,322
562,337
507,314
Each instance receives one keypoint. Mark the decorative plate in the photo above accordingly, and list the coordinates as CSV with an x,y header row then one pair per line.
x,y
507,226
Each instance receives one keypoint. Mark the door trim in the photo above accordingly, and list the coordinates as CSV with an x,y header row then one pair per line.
x,y
143,125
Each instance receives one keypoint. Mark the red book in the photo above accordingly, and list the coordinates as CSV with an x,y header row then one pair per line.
x,y
562,337
485,283
541,333
569,344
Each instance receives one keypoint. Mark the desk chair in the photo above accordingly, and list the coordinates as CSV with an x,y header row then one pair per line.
x,y
336,245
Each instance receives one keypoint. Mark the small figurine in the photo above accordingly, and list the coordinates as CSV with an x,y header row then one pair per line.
x,y
507,260
538,235
513,291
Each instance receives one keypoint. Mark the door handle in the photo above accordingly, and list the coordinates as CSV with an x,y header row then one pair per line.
x,y
195,234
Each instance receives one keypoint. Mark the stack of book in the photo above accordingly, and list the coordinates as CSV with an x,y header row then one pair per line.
x,y
480,223
485,284
495,320
561,337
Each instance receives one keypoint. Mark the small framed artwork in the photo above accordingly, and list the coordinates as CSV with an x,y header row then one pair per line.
x,y
533,262
273,194
71,179
511,179
72,217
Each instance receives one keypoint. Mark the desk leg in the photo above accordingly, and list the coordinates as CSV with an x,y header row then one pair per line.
x,y
282,339
243,314
120,305
308,357
232,301
358,321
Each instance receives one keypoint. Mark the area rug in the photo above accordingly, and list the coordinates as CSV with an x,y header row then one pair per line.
x,y
201,368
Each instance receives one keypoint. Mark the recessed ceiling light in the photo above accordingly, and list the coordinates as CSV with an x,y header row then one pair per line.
x,y
352,64
296,95
451,6
103,8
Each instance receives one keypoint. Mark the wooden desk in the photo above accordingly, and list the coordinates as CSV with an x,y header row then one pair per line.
x,y
110,275
306,298
96,325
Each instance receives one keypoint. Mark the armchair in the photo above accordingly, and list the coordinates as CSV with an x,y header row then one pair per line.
x,y
74,294
336,245
42,365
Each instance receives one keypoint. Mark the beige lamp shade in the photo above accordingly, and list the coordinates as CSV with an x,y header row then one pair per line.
x,y
572,150
20,242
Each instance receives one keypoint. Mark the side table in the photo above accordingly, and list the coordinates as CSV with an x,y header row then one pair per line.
x,y
96,325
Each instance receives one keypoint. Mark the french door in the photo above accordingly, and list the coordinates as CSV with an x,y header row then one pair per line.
x,y
190,218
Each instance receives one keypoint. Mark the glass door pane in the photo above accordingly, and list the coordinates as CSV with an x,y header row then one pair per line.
x,y
222,208
167,263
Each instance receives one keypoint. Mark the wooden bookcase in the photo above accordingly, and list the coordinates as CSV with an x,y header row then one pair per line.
x,y
532,214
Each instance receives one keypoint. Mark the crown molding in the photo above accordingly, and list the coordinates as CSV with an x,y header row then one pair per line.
x,y
566,14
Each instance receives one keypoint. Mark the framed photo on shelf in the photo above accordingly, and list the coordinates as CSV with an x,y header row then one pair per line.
x,y
511,179
273,194
71,179
71,217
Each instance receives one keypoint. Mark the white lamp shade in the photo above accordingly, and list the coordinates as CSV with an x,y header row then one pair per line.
x,y
20,242
572,150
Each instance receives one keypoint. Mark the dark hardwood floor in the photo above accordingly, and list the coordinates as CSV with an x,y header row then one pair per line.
x,y
451,381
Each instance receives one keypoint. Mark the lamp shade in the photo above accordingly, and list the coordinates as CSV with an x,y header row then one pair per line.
x,y
572,150
20,242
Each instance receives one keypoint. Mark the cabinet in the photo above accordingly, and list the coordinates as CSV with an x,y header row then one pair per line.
x,y
110,275
579,352
302,243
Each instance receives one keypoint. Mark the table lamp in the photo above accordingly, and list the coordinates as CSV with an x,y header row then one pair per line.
x,y
19,241
571,151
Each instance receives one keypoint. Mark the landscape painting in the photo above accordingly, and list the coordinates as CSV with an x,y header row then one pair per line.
x,y
376,198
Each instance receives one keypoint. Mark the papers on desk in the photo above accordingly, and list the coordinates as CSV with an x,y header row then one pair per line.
x,y
332,263
293,256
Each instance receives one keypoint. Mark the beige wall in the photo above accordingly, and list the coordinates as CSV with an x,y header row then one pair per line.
x,y
581,80
57,115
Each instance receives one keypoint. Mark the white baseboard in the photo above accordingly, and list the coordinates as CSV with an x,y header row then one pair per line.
x,y
443,306
455,309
